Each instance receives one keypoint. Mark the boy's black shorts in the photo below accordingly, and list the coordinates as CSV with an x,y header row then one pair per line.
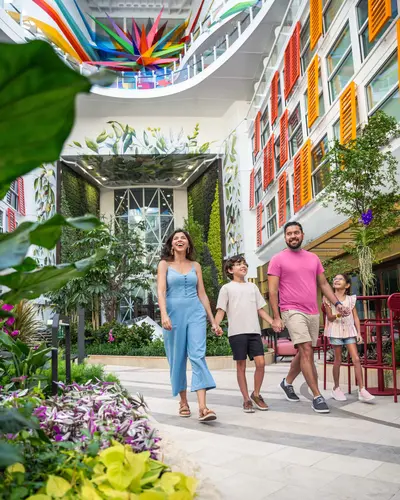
x,y
246,344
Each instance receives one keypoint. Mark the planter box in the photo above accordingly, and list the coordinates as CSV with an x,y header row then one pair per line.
x,y
159,362
372,375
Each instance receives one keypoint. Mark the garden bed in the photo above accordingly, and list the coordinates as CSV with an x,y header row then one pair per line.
x,y
160,362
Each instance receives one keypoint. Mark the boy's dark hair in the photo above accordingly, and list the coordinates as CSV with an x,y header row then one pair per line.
x,y
294,223
231,262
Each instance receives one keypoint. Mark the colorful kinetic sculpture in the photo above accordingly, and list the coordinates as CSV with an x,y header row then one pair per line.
x,y
146,48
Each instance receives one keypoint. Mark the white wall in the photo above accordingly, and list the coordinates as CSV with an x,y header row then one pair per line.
x,y
180,207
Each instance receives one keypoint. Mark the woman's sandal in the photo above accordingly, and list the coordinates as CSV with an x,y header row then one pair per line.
x,y
206,415
184,410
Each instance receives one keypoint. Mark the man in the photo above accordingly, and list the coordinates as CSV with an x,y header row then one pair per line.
x,y
295,273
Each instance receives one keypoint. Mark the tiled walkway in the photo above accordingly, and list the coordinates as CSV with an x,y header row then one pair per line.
x,y
288,452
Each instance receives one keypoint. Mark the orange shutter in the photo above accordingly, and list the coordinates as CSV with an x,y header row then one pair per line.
x,y
259,224
398,48
313,91
297,183
257,134
274,97
268,162
282,199
315,22
252,197
348,126
379,12
11,220
292,61
283,130
21,196
305,164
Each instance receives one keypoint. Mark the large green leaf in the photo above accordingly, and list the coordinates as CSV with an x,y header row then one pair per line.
x,y
33,284
37,94
9,454
14,246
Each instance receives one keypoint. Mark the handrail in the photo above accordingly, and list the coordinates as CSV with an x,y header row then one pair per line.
x,y
144,80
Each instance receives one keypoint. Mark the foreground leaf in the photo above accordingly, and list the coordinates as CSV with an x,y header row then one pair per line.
x,y
37,101
33,284
9,455
15,245
57,487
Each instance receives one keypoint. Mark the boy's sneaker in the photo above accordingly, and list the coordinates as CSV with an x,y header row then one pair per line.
x,y
338,394
248,407
289,392
364,396
319,405
259,402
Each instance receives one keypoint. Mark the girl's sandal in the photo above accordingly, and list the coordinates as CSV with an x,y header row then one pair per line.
x,y
206,415
184,410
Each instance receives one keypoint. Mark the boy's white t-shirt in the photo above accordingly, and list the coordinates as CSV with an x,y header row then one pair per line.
x,y
241,302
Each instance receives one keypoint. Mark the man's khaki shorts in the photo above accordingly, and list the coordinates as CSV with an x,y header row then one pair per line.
x,y
302,327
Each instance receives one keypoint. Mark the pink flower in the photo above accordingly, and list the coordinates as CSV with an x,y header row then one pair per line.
x,y
35,347
10,321
7,307
110,336
15,333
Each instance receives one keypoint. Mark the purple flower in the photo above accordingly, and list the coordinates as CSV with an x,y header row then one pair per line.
x,y
14,333
110,336
35,347
10,321
366,218
19,379
7,307
58,437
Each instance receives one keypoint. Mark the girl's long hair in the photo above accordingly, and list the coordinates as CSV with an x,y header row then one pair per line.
x,y
166,252
348,282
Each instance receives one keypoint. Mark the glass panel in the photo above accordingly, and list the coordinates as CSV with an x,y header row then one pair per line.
x,y
338,50
320,179
307,56
152,229
166,223
294,120
120,202
392,105
362,12
382,83
166,201
305,35
277,153
318,153
331,12
390,281
151,201
271,209
296,141
288,214
342,77
336,130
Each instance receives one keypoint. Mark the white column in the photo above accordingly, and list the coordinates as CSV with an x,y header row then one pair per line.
x,y
180,207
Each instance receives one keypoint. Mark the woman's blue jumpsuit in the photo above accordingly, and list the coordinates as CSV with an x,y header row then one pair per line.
x,y
188,335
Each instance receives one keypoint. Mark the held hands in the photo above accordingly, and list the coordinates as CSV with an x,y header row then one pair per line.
x,y
277,325
166,323
217,329
343,311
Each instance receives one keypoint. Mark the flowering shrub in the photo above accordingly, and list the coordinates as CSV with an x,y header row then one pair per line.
x,y
115,472
100,411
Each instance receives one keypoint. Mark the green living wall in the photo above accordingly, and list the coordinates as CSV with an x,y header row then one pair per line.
x,y
78,197
206,226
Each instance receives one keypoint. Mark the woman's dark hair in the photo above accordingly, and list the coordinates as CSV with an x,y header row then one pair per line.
x,y
236,259
347,279
166,252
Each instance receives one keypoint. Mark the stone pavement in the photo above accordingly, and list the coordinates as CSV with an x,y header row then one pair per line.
x,y
288,452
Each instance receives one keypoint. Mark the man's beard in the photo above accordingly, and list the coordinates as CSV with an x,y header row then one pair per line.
x,y
294,245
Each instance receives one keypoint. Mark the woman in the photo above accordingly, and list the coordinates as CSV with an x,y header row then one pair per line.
x,y
184,304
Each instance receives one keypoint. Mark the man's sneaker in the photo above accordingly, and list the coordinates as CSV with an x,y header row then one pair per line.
x,y
319,405
364,396
338,394
248,407
259,402
289,392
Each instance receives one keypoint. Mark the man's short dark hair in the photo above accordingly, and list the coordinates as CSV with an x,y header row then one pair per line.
x,y
294,223
231,262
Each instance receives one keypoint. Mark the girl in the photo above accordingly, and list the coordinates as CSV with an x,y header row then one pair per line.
x,y
345,331
184,305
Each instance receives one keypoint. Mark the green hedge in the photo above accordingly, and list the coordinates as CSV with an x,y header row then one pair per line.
x,y
78,197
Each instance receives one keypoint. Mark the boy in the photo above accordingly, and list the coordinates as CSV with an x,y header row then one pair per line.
x,y
243,303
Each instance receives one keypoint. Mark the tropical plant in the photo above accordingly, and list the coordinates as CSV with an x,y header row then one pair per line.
x,y
135,335
214,235
20,365
116,472
155,348
333,267
363,187
122,269
25,324
80,373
